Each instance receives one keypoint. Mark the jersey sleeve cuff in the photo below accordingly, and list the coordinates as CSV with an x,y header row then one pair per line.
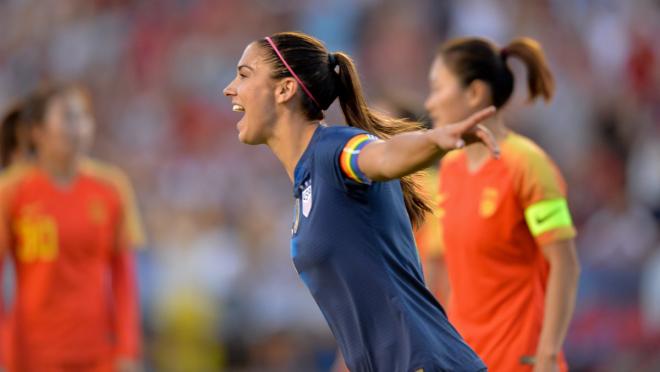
x,y
556,235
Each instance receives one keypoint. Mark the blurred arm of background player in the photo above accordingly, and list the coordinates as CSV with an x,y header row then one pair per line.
x,y
127,324
4,248
410,152
559,301
3,317
124,284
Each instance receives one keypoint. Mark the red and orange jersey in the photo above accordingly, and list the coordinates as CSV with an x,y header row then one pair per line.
x,y
494,221
75,297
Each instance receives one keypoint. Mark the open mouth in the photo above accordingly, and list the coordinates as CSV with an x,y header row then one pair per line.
x,y
237,108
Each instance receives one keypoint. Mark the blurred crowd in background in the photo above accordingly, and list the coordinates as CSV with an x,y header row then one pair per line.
x,y
218,290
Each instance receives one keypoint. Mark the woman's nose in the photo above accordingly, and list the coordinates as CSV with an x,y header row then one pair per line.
x,y
229,90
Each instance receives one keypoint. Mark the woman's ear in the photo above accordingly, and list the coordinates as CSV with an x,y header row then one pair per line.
x,y
285,89
478,94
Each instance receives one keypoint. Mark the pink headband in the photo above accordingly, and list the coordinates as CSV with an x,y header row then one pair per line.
x,y
309,94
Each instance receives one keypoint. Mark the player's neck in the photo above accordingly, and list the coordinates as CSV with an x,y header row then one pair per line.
x,y
477,154
61,171
290,140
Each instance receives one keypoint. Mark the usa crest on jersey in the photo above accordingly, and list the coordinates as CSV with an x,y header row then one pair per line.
x,y
307,198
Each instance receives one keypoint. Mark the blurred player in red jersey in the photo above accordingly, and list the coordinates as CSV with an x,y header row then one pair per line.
x,y
507,228
68,223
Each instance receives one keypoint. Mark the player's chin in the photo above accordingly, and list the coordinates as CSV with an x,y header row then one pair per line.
x,y
242,137
242,131
250,133
245,138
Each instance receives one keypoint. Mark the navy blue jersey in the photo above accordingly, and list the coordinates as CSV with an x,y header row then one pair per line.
x,y
353,246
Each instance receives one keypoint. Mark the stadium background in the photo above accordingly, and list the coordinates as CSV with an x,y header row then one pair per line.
x,y
218,291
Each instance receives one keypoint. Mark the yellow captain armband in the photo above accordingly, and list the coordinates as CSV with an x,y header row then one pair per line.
x,y
548,215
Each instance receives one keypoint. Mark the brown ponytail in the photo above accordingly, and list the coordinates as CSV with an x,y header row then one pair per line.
x,y
358,115
316,68
539,78
9,133
479,59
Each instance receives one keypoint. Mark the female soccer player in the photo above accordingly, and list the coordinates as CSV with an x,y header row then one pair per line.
x,y
507,229
352,241
64,222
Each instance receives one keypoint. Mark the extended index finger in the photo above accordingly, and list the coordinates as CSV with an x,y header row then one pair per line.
x,y
488,138
476,118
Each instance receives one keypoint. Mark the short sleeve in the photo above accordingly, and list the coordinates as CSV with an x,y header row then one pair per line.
x,y
132,228
542,193
348,159
338,151
9,183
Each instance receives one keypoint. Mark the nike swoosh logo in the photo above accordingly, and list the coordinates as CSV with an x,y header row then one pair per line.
x,y
540,220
